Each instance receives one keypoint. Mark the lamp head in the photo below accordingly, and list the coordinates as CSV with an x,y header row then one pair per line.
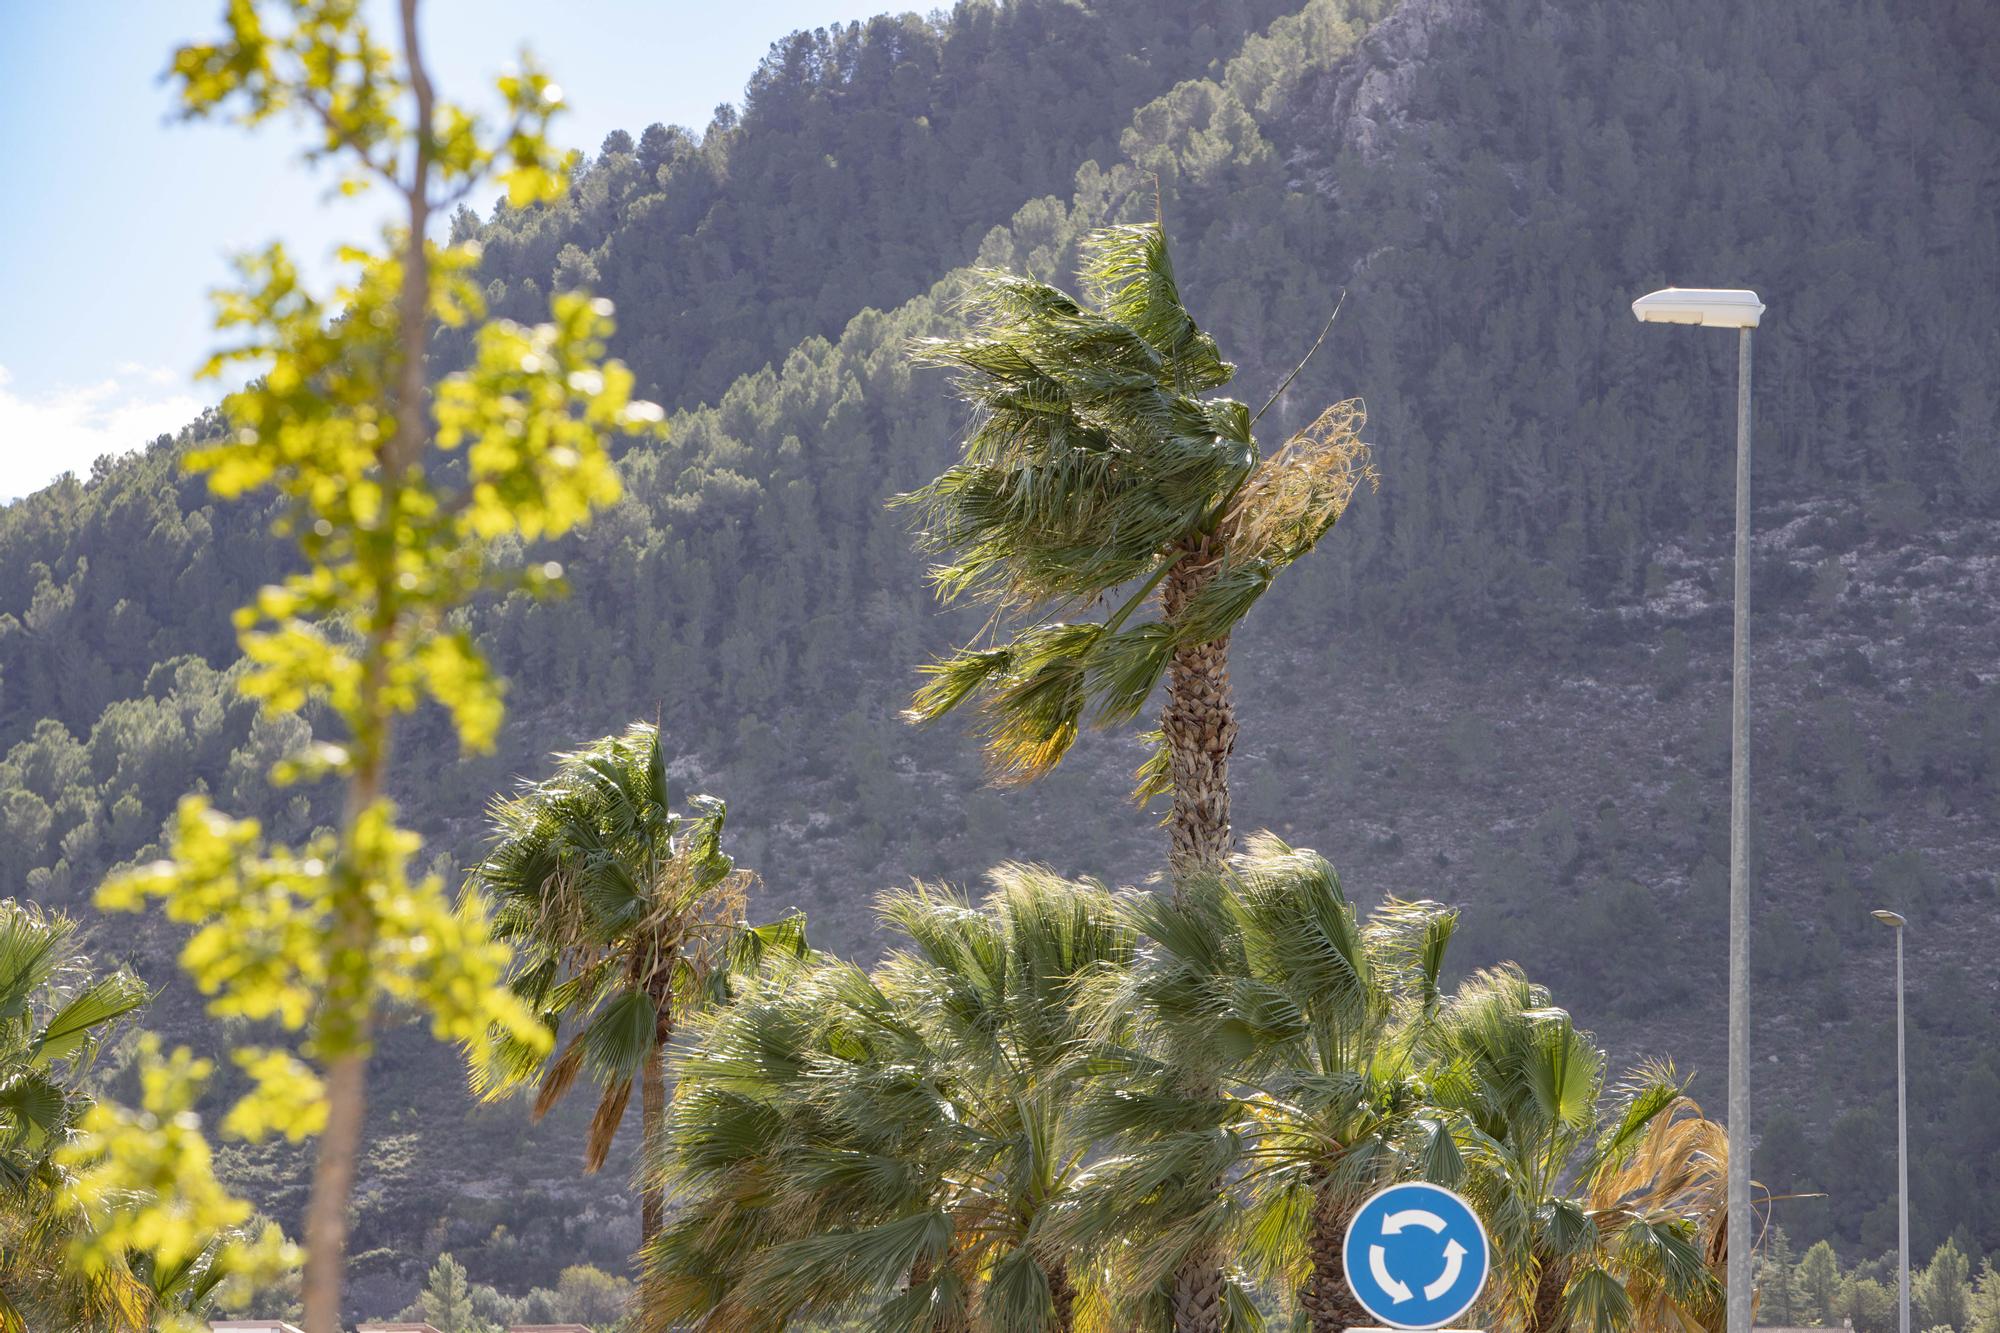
x,y
1893,920
1715,307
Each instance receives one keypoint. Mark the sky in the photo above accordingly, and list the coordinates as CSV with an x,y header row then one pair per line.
x,y
117,220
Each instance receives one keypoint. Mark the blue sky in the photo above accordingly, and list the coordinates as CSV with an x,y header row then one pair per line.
x,y
116,221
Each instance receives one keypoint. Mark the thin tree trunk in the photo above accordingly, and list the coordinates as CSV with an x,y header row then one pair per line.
x,y
1199,726
652,1125
333,1182
412,410
1329,1302
345,1024
347,1017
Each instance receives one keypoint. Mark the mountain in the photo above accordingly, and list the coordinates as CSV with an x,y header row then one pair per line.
x,y
1503,680
866,159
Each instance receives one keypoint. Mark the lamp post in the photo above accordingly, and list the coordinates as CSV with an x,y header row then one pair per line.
x,y
1895,922
1739,310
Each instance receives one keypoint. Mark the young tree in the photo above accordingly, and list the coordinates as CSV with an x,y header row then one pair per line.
x,y
1982,1307
623,916
403,500
586,1294
1869,1306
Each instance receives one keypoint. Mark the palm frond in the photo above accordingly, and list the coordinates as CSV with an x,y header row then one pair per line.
x,y
1595,1301
604,1122
76,1025
1297,494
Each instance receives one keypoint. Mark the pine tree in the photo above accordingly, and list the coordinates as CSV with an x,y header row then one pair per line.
x,y
1982,1308
1819,1285
1942,1289
446,1302
1778,1285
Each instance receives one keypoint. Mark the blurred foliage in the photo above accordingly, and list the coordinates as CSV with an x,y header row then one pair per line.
x,y
396,505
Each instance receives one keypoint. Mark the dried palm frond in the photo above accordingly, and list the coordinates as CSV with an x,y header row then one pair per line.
x,y
604,1124
1300,491
1675,1174
558,1077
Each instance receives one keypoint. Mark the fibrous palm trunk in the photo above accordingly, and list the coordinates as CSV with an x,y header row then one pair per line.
x,y
1198,1292
652,1125
1062,1294
1547,1313
1329,1302
1199,728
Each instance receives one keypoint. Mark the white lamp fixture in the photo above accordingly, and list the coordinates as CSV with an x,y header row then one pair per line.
x,y
1715,307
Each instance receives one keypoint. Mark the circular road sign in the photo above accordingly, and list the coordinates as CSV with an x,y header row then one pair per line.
x,y
1416,1256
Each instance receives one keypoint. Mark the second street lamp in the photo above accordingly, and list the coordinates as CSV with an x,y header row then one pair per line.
x,y
1895,922
1739,310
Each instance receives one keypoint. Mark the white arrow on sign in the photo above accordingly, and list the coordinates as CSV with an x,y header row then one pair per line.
x,y
1378,1264
1454,1260
1394,1223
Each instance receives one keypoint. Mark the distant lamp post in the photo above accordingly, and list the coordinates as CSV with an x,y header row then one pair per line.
x,y
1895,922
1740,310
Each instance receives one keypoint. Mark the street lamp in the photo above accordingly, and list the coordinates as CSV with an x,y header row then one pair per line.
x,y
1895,922
1739,310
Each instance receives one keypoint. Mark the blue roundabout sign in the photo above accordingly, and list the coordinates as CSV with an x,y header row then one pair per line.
x,y
1416,1256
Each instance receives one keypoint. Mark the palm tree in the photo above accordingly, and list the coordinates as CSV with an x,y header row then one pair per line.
x,y
893,1144
1303,1033
1604,1218
623,916
55,1016
1097,466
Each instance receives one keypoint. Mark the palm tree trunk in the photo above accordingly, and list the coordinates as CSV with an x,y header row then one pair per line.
x,y
1199,726
1329,1302
652,1125
1548,1308
1197,1293
1062,1293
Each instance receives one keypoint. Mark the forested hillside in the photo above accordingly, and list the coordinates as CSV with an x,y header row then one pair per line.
x,y
866,159
1504,685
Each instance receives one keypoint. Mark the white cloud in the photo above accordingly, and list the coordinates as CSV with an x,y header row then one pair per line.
x,y
44,433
